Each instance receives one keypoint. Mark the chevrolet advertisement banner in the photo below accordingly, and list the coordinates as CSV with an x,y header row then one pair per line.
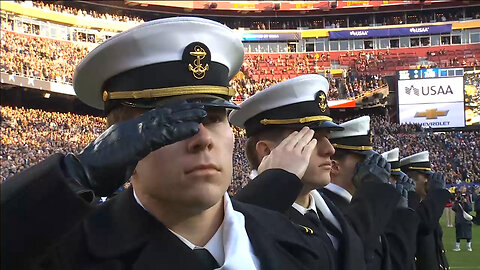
x,y
433,98
439,115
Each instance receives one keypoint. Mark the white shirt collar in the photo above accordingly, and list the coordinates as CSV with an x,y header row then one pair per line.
x,y
317,202
303,210
253,174
327,213
339,191
230,245
138,201
214,245
324,209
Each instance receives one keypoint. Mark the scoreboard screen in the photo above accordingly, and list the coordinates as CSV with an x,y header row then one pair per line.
x,y
472,98
433,98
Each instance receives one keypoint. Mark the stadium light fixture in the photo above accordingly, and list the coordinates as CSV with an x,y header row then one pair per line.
x,y
46,95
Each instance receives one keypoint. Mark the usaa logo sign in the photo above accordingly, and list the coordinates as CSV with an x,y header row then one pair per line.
x,y
429,90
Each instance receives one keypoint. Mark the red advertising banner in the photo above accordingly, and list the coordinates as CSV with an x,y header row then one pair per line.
x,y
277,5
353,4
357,4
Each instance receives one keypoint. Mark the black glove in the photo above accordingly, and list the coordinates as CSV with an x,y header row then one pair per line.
x,y
407,182
108,162
436,181
399,188
403,202
373,169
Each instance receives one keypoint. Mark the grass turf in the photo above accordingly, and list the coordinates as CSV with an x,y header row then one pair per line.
x,y
463,259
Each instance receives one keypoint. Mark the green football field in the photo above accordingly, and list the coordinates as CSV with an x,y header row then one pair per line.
x,y
461,259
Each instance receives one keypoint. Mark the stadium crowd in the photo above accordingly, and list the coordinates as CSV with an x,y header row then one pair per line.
x,y
51,6
41,58
454,153
366,60
55,60
31,135
316,22
265,64
357,21
351,86
472,98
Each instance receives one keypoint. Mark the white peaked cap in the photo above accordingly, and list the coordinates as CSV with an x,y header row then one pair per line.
x,y
417,162
392,155
355,136
356,127
298,101
158,42
415,158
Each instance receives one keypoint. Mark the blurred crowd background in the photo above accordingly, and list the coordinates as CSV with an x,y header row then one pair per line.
x,y
31,135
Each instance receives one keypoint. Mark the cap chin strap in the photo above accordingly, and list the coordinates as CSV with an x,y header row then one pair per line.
x,y
351,147
169,92
420,168
302,120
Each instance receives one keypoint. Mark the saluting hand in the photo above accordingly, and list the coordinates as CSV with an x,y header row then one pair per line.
x,y
406,182
436,181
108,162
374,168
292,154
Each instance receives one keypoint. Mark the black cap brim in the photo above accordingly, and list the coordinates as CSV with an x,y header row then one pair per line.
x,y
326,125
207,101
427,172
214,102
364,152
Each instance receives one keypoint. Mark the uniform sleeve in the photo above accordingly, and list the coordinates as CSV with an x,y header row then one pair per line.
x,y
370,210
38,208
401,234
273,189
431,209
413,200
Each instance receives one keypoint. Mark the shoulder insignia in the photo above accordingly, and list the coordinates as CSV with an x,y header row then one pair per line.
x,y
305,229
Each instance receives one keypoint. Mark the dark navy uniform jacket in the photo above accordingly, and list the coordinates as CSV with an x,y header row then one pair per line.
x,y
45,225
365,219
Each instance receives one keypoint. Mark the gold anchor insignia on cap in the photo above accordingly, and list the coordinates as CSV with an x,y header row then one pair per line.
x,y
199,70
323,102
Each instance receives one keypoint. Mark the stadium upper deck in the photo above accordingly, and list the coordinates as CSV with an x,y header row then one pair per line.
x,y
433,37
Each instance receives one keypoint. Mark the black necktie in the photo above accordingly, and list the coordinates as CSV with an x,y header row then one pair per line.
x,y
312,216
208,261
315,219
331,229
